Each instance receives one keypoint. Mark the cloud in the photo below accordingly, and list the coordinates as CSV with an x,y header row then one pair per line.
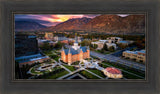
x,y
50,19
53,19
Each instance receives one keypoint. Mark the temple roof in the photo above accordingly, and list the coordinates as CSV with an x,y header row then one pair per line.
x,y
73,51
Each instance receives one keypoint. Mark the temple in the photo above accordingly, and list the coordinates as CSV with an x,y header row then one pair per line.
x,y
75,53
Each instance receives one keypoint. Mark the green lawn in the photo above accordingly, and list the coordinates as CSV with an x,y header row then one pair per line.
x,y
129,76
71,68
102,65
98,72
34,72
75,63
56,58
49,52
57,75
88,75
42,72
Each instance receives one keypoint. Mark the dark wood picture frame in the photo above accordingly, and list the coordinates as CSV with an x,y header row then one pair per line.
x,y
11,86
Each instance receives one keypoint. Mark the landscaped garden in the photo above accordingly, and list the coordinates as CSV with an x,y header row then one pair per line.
x,y
98,72
75,63
36,71
56,73
71,68
88,75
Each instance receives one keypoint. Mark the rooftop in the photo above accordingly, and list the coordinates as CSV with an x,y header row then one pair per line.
x,y
113,70
73,51
123,41
35,57
135,52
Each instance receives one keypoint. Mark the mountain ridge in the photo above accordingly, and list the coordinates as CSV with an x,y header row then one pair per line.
x,y
112,24
24,25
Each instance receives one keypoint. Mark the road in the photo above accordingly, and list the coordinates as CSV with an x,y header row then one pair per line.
x,y
119,60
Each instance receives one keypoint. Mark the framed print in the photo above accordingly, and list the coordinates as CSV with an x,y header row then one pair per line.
x,y
79,47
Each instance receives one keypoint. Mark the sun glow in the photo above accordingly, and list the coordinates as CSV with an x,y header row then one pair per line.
x,y
62,18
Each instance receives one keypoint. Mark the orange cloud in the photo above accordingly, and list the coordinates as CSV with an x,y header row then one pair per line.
x,y
61,18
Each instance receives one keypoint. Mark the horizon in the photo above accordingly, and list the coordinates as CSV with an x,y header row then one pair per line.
x,y
52,20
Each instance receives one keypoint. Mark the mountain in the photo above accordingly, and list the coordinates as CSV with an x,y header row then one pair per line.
x,y
115,24
70,25
112,24
27,26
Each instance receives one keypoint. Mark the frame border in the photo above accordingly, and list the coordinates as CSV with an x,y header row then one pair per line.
x,y
88,80
150,87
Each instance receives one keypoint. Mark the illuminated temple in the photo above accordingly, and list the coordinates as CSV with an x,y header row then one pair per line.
x,y
75,53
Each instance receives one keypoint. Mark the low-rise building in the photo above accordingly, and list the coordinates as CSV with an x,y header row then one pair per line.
x,y
30,59
49,35
125,42
112,72
139,56
60,38
65,41
115,39
111,44
100,44
42,41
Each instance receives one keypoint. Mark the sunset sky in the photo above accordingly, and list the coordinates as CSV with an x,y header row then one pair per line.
x,y
51,20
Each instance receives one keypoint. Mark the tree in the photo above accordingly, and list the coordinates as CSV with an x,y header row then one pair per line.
x,y
46,46
105,47
95,46
58,45
122,46
85,43
111,49
70,43
53,56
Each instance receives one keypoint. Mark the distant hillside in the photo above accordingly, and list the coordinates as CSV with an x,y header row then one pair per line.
x,y
117,25
27,26
69,25
112,24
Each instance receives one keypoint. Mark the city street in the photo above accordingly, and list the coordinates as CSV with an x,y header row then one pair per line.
x,y
119,60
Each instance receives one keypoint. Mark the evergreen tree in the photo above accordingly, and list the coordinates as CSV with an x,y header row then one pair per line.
x,y
105,47
111,49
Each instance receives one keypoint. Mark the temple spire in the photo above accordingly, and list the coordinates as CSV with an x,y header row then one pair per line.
x,y
69,50
76,40
87,47
62,48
